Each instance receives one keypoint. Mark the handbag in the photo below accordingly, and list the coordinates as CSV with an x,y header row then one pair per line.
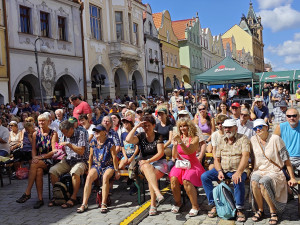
x,y
60,153
182,163
22,173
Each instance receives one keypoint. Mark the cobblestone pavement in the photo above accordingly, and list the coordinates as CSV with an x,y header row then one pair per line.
x,y
14,213
290,217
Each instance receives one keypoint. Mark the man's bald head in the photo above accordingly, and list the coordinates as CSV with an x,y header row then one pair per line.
x,y
292,111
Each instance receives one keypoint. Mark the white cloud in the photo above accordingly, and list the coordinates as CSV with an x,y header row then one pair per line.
x,y
280,18
271,4
290,50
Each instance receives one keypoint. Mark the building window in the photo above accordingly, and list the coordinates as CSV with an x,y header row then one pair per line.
x,y
175,61
62,34
150,29
44,24
25,19
168,36
95,20
135,34
150,53
171,59
119,25
167,59
156,54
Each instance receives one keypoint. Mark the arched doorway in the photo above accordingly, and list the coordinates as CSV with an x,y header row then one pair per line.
x,y
155,88
65,86
137,84
100,82
121,84
186,79
168,84
28,89
176,83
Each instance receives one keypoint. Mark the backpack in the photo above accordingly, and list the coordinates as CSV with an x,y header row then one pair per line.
x,y
224,201
62,190
60,193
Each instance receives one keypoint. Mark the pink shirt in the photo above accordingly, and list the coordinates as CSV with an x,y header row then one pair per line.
x,y
82,108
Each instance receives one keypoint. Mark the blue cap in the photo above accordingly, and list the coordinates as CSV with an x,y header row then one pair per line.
x,y
99,128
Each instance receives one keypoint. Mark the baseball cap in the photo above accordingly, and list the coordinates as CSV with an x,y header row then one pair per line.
x,y
122,106
99,128
183,112
259,122
144,102
236,104
72,119
175,90
229,123
13,122
164,110
258,99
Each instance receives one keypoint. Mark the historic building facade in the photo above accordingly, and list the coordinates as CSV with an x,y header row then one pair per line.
x,y
188,33
4,76
170,50
114,48
60,55
153,59
249,36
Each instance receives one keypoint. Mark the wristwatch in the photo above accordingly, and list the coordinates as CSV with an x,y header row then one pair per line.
x,y
116,170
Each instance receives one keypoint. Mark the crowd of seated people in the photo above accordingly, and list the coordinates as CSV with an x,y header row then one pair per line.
x,y
103,138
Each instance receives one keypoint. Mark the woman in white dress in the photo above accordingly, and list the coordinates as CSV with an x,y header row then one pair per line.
x,y
268,181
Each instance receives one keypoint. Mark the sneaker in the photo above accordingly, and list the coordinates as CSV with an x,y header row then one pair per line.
x,y
133,190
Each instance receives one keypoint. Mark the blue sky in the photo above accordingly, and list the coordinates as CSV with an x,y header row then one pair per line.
x,y
280,19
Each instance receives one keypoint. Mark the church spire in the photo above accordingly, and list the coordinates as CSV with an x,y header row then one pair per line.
x,y
251,13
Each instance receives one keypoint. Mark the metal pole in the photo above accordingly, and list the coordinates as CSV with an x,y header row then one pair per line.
x,y
38,71
158,77
252,89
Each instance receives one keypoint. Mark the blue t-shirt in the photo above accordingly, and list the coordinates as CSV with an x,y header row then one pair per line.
x,y
129,148
261,113
291,138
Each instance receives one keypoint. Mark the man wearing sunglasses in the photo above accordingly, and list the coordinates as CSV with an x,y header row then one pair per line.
x,y
290,133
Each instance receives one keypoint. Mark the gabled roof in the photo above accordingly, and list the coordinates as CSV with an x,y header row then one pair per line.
x,y
157,18
180,26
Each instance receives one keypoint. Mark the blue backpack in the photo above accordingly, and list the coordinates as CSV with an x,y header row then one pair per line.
x,y
224,201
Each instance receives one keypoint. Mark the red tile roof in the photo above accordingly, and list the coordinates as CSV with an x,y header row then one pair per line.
x,y
179,27
157,17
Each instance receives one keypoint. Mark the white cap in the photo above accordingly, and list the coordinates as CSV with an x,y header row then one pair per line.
x,y
229,123
259,99
183,112
143,102
175,90
259,122
13,122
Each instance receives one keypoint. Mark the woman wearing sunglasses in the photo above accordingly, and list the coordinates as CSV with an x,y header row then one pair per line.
x,y
102,163
207,126
268,181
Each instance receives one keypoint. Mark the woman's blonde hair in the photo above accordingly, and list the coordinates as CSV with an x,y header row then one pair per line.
x,y
130,113
192,127
43,117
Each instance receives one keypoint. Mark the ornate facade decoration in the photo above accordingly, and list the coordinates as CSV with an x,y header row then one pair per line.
x,y
48,76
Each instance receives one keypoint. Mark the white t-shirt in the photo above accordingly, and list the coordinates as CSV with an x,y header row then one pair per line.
x,y
4,134
90,130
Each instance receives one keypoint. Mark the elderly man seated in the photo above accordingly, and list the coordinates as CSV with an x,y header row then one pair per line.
x,y
76,144
231,161
245,126
278,115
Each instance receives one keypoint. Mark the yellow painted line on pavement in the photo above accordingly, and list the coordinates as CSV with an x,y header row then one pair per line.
x,y
142,208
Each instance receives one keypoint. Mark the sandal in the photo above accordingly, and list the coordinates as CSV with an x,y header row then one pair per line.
x,y
152,211
51,203
212,213
68,204
175,209
38,204
273,220
240,216
82,208
103,209
258,216
160,198
24,198
193,212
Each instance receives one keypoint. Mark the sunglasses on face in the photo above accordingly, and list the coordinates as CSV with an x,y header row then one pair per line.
x,y
138,112
290,116
178,101
234,107
219,123
258,127
244,114
202,109
180,107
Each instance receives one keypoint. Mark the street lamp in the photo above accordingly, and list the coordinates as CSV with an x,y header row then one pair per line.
x,y
43,48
